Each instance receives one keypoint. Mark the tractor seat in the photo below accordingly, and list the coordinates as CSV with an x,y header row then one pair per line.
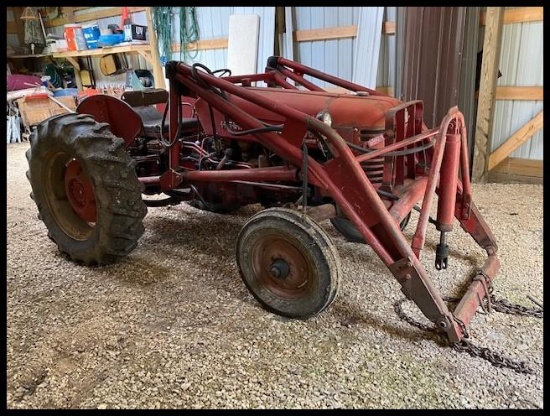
x,y
143,104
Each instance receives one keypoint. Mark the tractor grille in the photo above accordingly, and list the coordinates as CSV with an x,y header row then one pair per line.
x,y
374,168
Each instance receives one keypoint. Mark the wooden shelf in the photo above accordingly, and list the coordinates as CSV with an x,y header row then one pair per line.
x,y
138,48
144,49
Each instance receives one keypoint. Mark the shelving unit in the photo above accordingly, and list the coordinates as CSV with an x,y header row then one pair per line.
x,y
144,50
147,51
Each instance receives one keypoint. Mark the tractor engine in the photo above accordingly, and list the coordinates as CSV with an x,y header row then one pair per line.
x,y
358,118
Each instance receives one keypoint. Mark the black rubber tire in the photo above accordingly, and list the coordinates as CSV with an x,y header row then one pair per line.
x,y
298,235
352,234
215,208
165,201
102,157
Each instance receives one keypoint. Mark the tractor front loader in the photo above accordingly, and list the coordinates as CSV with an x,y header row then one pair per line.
x,y
360,158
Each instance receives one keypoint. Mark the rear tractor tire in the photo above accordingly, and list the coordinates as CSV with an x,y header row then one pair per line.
x,y
86,189
288,262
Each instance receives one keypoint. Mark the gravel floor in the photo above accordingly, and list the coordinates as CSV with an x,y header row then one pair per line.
x,y
173,326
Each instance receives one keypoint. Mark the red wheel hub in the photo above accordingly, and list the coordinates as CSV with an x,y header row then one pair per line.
x,y
80,192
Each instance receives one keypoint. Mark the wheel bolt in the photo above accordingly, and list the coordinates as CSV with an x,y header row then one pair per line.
x,y
279,269
275,271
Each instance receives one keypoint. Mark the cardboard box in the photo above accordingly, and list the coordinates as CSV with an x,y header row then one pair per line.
x,y
36,109
135,32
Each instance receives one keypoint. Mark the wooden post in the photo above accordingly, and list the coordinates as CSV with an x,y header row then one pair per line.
x,y
17,12
487,92
69,14
158,72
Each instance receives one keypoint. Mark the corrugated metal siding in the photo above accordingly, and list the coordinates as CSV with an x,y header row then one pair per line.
x,y
521,64
367,52
336,56
331,56
432,58
386,62
213,23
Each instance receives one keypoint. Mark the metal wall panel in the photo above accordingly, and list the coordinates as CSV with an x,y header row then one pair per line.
x,y
287,43
386,62
266,42
432,58
332,56
338,56
213,23
367,52
521,64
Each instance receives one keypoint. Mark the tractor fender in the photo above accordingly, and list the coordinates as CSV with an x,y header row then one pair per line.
x,y
124,121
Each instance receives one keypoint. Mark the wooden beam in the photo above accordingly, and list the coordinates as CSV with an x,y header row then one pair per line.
x,y
280,20
158,73
74,62
67,16
386,90
518,15
203,45
12,28
325,33
487,90
515,141
105,50
520,93
388,27
520,166
113,11
18,11
71,17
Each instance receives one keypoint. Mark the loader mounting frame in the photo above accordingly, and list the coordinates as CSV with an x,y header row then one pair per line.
x,y
444,170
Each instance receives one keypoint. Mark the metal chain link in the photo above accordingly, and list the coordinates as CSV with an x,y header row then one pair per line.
x,y
496,359
503,306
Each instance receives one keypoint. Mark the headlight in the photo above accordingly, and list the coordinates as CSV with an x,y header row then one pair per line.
x,y
325,117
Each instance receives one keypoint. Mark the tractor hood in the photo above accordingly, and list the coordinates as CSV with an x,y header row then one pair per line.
x,y
354,116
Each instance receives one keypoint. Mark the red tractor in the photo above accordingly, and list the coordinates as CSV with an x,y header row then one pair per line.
x,y
360,158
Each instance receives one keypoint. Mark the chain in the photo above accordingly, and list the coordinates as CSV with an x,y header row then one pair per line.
x,y
402,315
465,345
502,305
494,358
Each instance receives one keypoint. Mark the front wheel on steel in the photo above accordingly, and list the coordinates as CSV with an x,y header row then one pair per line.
x,y
85,188
288,262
